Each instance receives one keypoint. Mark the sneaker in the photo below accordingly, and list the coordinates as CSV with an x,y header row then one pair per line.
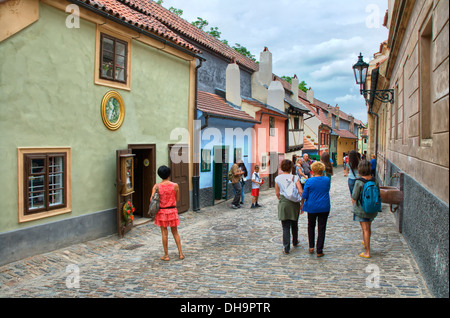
x,y
253,206
234,206
258,206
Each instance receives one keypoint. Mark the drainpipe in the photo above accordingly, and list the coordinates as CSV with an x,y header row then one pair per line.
x,y
370,102
196,176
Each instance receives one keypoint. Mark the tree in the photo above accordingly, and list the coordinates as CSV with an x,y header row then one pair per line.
x,y
175,11
302,86
243,50
213,31
200,23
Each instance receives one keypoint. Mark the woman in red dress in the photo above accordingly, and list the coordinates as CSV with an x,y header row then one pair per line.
x,y
167,216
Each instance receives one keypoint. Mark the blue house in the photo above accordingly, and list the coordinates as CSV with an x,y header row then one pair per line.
x,y
225,137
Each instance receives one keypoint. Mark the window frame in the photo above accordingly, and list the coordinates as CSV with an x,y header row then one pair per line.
x,y
24,157
46,192
112,32
115,41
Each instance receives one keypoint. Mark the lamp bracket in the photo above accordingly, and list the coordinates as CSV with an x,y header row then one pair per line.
x,y
383,95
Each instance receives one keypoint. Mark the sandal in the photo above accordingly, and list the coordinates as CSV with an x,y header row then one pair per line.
x,y
165,258
363,255
181,256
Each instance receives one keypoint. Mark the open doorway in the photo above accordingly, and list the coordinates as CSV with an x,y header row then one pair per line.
x,y
144,179
220,173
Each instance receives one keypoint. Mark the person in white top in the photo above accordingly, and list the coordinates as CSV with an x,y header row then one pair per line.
x,y
256,184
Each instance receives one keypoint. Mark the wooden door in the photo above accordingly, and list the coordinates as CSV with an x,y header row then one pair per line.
x,y
180,173
122,228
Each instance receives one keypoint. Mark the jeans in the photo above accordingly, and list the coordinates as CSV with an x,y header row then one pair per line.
x,y
242,192
351,185
288,227
322,219
237,193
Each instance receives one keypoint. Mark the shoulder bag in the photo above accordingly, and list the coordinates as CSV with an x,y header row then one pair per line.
x,y
154,204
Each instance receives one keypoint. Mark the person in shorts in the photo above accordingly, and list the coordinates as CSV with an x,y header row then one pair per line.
x,y
256,184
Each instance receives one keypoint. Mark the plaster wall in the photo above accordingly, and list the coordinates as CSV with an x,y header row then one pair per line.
x,y
49,99
426,161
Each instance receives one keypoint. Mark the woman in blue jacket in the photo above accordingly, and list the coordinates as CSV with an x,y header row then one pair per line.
x,y
316,202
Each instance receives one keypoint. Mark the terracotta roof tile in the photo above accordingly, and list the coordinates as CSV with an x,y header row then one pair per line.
x,y
266,107
134,15
344,133
307,145
190,31
215,105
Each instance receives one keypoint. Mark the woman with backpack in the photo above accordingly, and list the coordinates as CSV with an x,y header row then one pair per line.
x,y
352,169
288,192
367,206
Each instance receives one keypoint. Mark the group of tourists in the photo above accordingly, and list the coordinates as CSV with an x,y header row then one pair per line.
x,y
303,187
312,181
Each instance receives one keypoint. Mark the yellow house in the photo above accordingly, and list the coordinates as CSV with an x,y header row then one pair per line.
x,y
346,141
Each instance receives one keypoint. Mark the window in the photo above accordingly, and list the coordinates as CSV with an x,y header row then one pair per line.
x,y
426,40
206,160
271,126
264,162
113,59
296,123
45,182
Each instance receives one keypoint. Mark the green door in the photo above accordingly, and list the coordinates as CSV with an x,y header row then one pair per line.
x,y
220,172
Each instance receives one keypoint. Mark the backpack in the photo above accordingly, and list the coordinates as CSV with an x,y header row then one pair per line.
x,y
370,199
291,192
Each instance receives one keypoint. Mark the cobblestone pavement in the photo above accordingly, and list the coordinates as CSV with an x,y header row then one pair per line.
x,y
229,253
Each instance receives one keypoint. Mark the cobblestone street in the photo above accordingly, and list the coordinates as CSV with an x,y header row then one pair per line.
x,y
229,253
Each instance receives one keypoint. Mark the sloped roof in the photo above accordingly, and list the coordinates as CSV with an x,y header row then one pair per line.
x,y
216,106
307,145
344,133
265,107
321,116
131,14
190,31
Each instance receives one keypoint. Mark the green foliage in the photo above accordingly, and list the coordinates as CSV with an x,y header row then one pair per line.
x,y
213,31
200,23
243,50
176,11
302,86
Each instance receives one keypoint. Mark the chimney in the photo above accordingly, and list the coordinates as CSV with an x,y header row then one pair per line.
x,y
337,116
275,95
233,84
294,89
310,95
352,123
265,67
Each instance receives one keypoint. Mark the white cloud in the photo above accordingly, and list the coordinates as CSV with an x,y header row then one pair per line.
x,y
318,40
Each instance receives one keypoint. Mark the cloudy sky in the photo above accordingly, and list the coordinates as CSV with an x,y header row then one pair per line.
x,y
319,40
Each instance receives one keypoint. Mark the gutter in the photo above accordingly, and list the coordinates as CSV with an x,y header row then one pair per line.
x,y
196,176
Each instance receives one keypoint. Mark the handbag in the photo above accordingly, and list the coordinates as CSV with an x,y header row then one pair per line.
x,y
291,192
154,204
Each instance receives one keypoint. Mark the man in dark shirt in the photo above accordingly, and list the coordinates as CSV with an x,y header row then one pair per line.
x,y
306,165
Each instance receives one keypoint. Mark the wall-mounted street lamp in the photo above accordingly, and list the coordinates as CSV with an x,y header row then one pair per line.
x,y
360,70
